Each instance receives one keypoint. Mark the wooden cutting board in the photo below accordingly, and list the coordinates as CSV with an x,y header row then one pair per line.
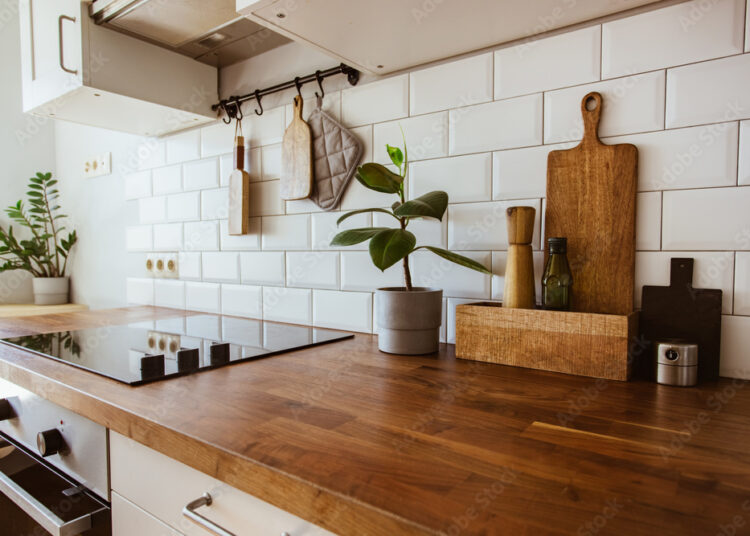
x,y
296,151
680,311
591,200
239,192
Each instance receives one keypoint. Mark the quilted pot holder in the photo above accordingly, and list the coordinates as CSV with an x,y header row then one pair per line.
x,y
336,154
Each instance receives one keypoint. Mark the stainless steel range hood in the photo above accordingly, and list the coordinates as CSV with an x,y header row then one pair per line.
x,y
209,32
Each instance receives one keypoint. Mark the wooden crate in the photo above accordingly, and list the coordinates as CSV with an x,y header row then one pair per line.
x,y
585,344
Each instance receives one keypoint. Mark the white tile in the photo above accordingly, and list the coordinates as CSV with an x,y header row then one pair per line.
x,y
331,106
377,101
292,305
357,196
168,237
252,165
429,231
301,206
450,306
648,221
735,340
224,267
216,139
521,173
215,204
189,265
271,162
453,84
201,174
426,137
290,232
324,228
203,297
479,226
685,157
149,154
676,35
568,59
313,269
139,238
140,291
429,270
168,293
265,198
707,219
499,260
365,136
496,125
359,273
202,236
184,147
184,207
742,284
138,185
264,129
242,300
343,310
463,178
167,180
152,209
708,92
250,241
263,267
743,176
711,270
631,104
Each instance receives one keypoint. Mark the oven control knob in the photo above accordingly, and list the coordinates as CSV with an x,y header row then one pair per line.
x,y
6,411
50,442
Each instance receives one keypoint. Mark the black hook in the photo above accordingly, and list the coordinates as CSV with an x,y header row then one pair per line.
x,y
229,110
299,86
320,85
238,106
257,98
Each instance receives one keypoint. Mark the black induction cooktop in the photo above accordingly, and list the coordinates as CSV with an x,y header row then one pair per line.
x,y
158,350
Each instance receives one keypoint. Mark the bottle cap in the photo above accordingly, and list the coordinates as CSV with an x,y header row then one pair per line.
x,y
558,244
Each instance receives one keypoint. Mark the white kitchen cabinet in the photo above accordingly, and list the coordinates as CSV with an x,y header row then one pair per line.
x,y
129,520
74,70
162,486
390,35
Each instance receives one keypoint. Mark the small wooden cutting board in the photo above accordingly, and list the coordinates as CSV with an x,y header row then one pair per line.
x,y
296,152
239,192
591,192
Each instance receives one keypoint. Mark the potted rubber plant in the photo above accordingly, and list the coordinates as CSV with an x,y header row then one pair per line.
x,y
44,254
408,317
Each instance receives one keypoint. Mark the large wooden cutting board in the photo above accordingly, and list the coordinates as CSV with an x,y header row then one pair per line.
x,y
591,192
296,152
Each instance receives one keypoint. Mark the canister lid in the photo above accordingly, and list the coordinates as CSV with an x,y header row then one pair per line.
x,y
677,352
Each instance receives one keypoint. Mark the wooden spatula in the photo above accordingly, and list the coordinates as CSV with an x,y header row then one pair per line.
x,y
296,164
239,192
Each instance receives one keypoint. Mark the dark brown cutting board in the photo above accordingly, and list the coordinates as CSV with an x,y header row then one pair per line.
x,y
591,200
682,312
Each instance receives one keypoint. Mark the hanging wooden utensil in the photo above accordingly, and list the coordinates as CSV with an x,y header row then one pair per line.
x,y
239,188
296,164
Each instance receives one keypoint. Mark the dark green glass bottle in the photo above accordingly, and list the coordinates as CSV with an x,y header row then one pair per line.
x,y
557,280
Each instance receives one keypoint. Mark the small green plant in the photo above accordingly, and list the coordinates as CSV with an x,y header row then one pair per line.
x,y
388,245
45,253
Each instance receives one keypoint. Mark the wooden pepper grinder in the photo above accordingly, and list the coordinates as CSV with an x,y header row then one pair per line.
x,y
519,269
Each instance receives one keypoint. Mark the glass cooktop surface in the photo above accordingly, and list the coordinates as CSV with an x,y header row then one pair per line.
x,y
145,352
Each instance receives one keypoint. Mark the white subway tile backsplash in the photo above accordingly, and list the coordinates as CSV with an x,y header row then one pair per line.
x,y
426,137
152,209
167,180
265,129
215,204
365,136
292,305
743,175
149,154
357,196
183,147
252,165
242,300
224,267
324,228
684,33
312,269
189,265
631,104
742,284
709,92
429,270
359,273
522,173
707,219
271,162
499,260
331,106
184,207
138,185
453,84
265,198
168,237
201,174
568,59
202,236
449,317
204,297
169,293
735,340
648,221
342,310
480,226
263,267
291,232
139,238
248,242
140,291
496,125
378,101
217,138
463,178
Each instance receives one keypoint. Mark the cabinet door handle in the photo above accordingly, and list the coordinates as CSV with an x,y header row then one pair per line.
x,y
190,512
60,20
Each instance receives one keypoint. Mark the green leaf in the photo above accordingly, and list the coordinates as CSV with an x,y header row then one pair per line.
x,y
397,157
458,259
355,236
379,178
429,205
362,211
390,246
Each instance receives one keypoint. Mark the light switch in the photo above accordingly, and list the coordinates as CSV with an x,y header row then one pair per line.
x,y
99,165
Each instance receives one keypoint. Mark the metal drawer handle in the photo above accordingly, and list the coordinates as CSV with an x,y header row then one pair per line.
x,y
190,512
60,20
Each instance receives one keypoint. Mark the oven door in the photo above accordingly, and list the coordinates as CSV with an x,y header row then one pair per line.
x,y
38,495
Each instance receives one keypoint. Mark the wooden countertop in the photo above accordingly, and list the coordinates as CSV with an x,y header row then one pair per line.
x,y
364,443
30,309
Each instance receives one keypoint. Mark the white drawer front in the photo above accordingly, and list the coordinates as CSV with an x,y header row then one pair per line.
x,y
163,486
129,520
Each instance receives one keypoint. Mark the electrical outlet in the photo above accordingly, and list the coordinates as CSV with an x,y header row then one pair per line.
x,y
162,265
97,166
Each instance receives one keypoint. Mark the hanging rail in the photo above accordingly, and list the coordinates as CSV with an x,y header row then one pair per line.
x,y
232,105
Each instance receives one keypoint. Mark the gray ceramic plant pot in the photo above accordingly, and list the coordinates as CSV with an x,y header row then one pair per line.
x,y
50,290
409,321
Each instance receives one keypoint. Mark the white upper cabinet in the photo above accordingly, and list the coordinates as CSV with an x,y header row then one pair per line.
x,y
75,70
390,35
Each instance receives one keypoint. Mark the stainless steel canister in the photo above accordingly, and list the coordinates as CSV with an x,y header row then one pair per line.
x,y
676,362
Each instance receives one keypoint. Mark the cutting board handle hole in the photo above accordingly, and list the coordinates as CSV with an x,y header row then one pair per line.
x,y
591,103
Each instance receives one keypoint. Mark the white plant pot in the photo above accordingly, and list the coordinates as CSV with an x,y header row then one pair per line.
x,y
409,321
50,290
